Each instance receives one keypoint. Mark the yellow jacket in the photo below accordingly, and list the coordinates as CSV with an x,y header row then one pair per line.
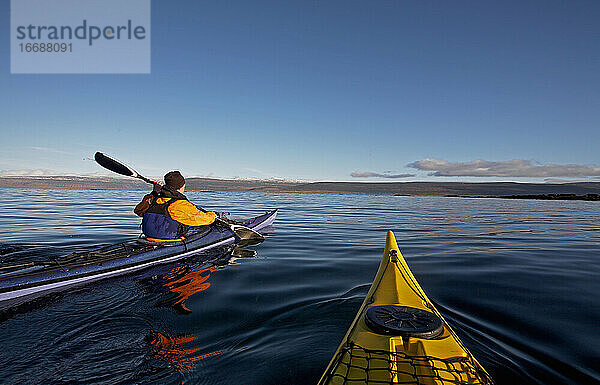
x,y
181,210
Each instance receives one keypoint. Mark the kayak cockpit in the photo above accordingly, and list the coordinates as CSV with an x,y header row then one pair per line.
x,y
192,234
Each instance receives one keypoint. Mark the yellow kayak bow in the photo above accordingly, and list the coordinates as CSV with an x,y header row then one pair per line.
x,y
399,337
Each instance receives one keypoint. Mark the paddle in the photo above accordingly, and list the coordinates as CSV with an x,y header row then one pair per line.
x,y
113,165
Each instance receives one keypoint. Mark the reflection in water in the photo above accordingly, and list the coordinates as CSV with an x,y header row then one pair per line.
x,y
172,350
183,282
240,252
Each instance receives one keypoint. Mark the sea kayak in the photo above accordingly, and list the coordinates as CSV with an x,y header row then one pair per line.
x,y
398,336
20,283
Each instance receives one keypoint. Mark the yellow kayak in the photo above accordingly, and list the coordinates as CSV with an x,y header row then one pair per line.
x,y
398,336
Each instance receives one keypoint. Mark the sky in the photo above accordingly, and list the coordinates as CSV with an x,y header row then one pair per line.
x,y
331,90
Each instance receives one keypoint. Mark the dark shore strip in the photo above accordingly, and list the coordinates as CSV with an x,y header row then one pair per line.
x,y
557,197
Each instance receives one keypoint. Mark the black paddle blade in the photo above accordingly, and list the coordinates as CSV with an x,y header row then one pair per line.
x,y
113,165
246,234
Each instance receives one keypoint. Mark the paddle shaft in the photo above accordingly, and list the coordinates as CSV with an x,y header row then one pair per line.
x,y
145,179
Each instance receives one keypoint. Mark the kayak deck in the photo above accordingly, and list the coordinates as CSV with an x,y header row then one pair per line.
x,y
25,281
399,337
118,251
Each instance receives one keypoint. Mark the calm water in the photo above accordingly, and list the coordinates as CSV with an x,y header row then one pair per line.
x,y
518,280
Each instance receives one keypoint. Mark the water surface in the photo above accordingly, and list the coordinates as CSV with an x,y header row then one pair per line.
x,y
517,280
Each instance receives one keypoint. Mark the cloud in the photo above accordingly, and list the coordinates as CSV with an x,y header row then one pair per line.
x,y
47,149
561,180
369,174
510,168
45,172
38,172
255,171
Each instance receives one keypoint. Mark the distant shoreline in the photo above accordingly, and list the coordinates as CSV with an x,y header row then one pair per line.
x,y
551,197
507,190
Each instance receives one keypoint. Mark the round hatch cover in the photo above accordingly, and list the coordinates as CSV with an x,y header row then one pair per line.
x,y
403,321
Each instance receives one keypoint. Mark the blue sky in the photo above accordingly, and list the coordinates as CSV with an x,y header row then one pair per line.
x,y
327,90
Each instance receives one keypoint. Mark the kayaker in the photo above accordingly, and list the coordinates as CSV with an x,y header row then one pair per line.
x,y
166,213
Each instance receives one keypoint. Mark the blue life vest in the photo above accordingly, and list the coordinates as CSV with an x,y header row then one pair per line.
x,y
157,222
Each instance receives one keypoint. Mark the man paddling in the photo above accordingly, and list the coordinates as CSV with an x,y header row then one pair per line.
x,y
167,214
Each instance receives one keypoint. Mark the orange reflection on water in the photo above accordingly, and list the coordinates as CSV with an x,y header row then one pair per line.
x,y
185,283
170,350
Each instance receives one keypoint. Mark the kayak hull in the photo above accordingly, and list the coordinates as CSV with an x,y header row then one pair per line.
x,y
399,337
26,284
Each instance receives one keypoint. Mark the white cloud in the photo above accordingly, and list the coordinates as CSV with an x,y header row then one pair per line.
x,y
369,174
255,171
510,168
37,172
562,181
48,149
45,172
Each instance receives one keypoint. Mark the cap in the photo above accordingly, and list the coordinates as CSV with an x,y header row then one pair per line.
x,y
174,179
